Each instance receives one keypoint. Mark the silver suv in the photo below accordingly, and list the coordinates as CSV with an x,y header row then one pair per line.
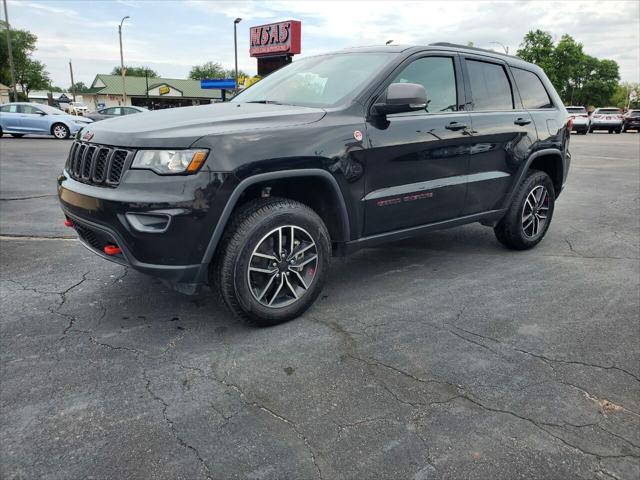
x,y
606,119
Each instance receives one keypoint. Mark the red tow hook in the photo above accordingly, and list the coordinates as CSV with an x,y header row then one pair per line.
x,y
112,250
68,223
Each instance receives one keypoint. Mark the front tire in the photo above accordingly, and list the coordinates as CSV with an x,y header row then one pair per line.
x,y
273,261
60,131
529,216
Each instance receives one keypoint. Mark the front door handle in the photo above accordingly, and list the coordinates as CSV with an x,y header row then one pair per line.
x,y
455,126
522,121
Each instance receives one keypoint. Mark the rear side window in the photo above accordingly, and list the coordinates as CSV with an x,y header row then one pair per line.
x,y
490,86
533,93
437,75
9,109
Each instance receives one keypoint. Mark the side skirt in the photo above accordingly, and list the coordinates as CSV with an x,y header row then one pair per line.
x,y
489,217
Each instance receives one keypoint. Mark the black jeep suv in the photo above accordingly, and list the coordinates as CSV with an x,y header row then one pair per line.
x,y
326,155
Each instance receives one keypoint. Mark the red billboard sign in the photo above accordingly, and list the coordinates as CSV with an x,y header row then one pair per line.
x,y
282,38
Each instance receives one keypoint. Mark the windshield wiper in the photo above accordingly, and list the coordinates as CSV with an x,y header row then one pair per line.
x,y
271,102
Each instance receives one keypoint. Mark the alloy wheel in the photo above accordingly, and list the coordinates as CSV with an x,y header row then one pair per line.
x,y
535,211
283,266
60,131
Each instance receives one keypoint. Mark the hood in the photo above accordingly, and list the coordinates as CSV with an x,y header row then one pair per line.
x,y
180,127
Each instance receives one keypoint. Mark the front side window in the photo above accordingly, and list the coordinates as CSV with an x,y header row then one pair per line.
x,y
490,86
31,110
437,75
531,89
322,81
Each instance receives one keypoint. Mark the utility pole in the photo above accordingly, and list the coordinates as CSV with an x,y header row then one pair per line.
x,y
13,72
73,85
124,94
235,47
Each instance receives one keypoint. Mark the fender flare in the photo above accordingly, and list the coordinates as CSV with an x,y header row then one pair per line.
x,y
247,182
521,174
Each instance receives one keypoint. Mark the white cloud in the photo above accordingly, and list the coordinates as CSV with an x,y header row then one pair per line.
x,y
173,36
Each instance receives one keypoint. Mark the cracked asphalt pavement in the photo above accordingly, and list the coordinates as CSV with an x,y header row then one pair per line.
x,y
445,356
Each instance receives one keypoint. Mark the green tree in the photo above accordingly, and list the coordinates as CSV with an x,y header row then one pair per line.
x,y
130,71
537,47
30,74
212,70
78,87
620,97
566,61
579,79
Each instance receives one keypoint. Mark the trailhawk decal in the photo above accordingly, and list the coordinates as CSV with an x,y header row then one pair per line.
x,y
418,188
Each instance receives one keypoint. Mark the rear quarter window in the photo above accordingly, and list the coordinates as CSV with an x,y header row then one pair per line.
x,y
532,91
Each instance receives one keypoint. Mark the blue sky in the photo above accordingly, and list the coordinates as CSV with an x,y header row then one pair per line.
x,y
171,36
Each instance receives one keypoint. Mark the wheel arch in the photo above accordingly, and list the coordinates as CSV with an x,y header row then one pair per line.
x,y
548,160
339,228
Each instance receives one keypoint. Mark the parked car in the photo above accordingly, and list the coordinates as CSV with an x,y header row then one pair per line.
x,y
609,118
580,118
326,155
76,108
631,121
21,118
113,112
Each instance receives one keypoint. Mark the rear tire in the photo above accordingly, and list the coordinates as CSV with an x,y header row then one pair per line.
x,y
618,130
529,216
258,273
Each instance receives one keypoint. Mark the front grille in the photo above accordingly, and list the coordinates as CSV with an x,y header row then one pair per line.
x,y
97,164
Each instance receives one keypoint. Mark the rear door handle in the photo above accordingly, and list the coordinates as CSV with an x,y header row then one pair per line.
x,y
522,121
455,126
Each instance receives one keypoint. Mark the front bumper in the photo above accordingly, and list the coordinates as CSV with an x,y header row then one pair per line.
x,y
173,250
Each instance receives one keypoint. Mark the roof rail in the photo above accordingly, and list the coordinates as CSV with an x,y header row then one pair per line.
x,y
465,47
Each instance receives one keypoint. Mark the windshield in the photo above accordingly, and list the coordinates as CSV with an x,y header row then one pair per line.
x,y
322,81
576,110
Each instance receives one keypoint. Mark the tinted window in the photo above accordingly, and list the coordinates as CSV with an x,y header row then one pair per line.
x,y
30,109
490,86
437,75
129,110
574,110
9,109
531,89
608,111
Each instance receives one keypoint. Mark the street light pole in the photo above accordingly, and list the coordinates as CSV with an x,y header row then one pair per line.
x,y
506,49
235,47
13,73
73,85
124,94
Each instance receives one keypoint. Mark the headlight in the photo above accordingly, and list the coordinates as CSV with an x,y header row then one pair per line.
x,y
166,162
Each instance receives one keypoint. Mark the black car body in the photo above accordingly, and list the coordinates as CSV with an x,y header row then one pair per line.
x,y
631,121
371,177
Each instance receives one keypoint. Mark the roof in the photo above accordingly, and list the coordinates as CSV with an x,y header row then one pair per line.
x,y
435,46
137,86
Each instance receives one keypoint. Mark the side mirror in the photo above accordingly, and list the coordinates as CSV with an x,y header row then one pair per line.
x,y
402,97
41,113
